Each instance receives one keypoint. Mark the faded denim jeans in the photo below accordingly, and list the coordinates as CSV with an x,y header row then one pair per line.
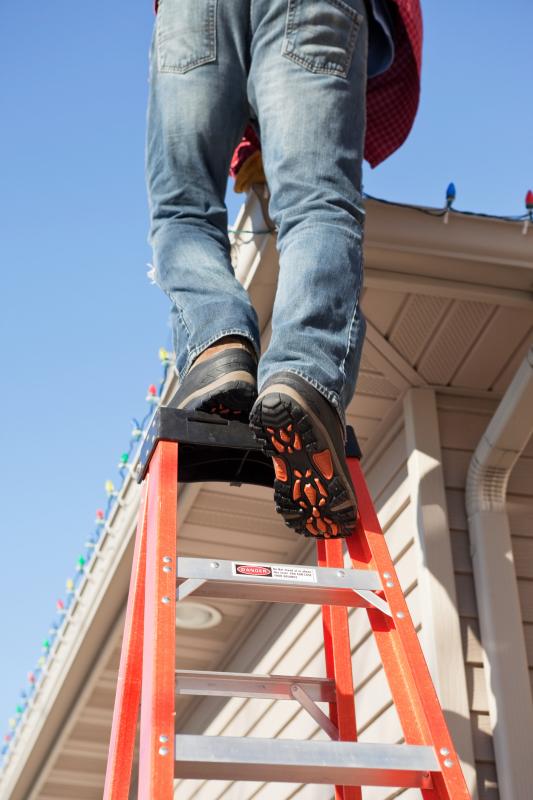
x,y
297,69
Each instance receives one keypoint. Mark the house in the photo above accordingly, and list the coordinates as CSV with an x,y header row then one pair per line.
x,y
450,328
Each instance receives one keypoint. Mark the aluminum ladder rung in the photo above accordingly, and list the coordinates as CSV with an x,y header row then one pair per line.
x,y
241,684
282,583
288,760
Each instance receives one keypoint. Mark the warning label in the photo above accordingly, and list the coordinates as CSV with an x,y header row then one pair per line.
x,y
280,572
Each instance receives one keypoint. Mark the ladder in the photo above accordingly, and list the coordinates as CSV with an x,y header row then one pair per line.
x,y
181,447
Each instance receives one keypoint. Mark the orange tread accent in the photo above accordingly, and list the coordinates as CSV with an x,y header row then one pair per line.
x,y
280,468
296,491
310,493
323,462
321,487
279,447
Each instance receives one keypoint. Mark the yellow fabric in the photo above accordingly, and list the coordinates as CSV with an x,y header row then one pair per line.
x,y
250,172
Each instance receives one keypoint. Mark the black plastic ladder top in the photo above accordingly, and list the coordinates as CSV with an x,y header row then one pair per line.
x,y
213,448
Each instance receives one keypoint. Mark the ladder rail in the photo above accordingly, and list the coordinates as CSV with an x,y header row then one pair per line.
x,y
339,661
128,694
401,653
156,757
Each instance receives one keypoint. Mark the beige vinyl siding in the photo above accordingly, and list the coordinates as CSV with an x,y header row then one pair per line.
x,y
462,422
299,650
520,503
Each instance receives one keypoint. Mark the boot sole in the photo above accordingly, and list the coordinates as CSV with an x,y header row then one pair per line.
x,y
312,489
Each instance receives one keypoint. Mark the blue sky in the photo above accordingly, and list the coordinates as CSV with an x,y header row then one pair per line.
x,y
80,324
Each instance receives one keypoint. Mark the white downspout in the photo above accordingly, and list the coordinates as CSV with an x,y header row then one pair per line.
x,y
498,601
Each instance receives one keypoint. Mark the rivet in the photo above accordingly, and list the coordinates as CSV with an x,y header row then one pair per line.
x,y
386,575
167,569
214,564
448,762
163,739
165,599
400,615
390,584
167,560
163,751
444,751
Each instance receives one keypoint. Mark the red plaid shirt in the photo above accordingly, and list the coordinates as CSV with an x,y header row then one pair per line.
x,y
391,98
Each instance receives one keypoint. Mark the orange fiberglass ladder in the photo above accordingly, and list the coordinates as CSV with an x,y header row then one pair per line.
x,y
181,446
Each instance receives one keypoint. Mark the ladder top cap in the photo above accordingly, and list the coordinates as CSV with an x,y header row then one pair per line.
x,y
213,448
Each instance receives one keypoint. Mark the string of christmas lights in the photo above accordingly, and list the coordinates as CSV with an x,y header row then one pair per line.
x,y
84,560
451,194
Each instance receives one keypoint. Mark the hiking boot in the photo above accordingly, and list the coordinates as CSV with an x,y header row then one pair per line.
x,y
304,436
224,383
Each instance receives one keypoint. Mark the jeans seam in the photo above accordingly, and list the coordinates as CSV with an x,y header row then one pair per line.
x,y
352,325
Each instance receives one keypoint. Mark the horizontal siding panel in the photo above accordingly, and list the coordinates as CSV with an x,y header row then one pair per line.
x,y
364,427
523,557
477,688
455,503
522,524
487,782
466,597
286,791
398,528
393,488
462,560
455,464
367,406
380,793
528,636
461,431
466,404
521,478
379,475
310,792
471,639
525,591
482,734
385,728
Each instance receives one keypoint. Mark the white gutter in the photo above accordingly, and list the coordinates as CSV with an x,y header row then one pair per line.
x,y
498,601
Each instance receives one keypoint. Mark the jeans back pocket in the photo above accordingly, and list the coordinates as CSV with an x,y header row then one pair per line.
x,y
186,34
320,35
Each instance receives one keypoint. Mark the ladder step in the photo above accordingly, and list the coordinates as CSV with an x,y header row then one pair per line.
x,y
241,684
281,583
342,763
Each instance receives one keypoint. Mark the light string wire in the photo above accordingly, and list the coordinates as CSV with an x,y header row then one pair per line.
x,y
83,563
448,209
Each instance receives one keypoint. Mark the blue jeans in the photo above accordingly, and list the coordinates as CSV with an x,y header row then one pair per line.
x,y
297,69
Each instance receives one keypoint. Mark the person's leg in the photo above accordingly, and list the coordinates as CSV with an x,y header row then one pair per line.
x,y
197,111
307,86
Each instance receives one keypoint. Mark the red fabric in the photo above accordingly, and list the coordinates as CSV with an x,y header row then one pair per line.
x,y
391,98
